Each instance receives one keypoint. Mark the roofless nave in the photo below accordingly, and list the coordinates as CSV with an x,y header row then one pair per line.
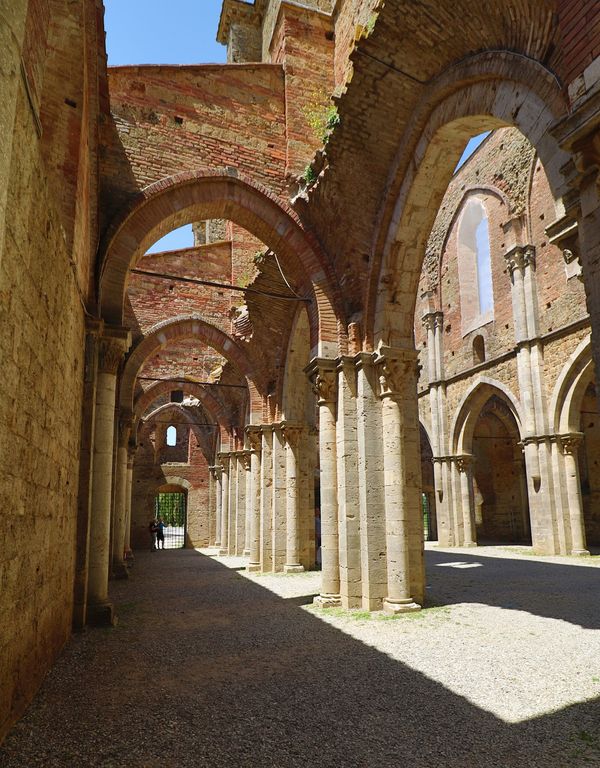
x,y
356,330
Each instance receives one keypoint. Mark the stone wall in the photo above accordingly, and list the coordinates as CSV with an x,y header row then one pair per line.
x,y
44,278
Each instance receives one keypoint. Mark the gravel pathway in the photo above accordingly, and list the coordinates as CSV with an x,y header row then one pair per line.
x,y
211,667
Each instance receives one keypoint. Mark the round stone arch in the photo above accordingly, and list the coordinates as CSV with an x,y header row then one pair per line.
x,y
486,91
212,406
181,328
469,409
207,443
189,197
570,388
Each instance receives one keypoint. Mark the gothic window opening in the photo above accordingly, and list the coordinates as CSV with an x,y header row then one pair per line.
x,y
171,436
478,350
475,266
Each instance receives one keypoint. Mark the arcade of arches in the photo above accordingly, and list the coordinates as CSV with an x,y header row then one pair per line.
x,y
358,331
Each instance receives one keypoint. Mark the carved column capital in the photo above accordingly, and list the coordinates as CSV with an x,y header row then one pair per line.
x,y
397,371
291,433
254,435
433,320
529,256
224,458
112,346
244,459
464,462
569,443
323,376
515,259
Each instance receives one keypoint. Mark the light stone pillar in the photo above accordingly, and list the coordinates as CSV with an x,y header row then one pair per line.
x,y
130,463
324,377
218,475
110,352
212,506
224,458
347,482
266,500
370,484
279,500
402,475
119,569
464,464
232,541
243,500
254,434
570,445
291,435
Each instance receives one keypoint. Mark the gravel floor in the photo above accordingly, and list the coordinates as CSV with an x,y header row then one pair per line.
x,y
212,667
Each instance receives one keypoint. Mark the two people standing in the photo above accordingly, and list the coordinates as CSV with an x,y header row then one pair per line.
x,y
156,529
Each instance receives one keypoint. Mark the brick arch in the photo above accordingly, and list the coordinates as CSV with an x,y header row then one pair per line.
x,y
186,328
577,373
486,91
207,442
470,407
190,197
211,405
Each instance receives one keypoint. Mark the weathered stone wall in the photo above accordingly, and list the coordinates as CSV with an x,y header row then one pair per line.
x,y
43,280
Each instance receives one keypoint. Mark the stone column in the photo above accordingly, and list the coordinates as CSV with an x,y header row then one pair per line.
x,y
84,493
119,569
370,484
224,460
291,435
254,434
279,500
217,473
130,463
402,470
464,464
324,377
266,558
347,490
110,352
244,491
232,541
570,445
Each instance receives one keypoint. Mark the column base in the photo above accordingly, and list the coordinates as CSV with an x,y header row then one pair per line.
x,y
101,615
400,606
217,544
119,571
253,567
293,568
580,552
327,601
223,552
246,553
469,544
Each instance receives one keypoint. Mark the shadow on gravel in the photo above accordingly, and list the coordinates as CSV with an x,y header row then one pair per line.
x,y
212,670
569,593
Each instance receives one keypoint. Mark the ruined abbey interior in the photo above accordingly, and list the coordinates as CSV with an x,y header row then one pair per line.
x,y
365,349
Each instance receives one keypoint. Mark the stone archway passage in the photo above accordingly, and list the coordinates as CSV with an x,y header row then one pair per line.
x,y
170,505
499,496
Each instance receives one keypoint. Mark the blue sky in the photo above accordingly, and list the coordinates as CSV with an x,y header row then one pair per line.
x,y
176,32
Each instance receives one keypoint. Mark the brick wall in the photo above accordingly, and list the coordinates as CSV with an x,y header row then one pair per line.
x,y
579,36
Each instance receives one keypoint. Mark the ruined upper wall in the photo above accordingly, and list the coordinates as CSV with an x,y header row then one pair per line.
x,y
170,119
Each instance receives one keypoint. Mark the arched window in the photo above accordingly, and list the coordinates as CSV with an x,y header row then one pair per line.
x,y
171,436
474,266
478,350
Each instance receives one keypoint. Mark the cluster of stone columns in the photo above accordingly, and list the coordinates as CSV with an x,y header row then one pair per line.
x,y
369,453
264,498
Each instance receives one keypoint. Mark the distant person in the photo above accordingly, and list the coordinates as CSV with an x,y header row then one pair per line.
x,y
153,531
160,533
